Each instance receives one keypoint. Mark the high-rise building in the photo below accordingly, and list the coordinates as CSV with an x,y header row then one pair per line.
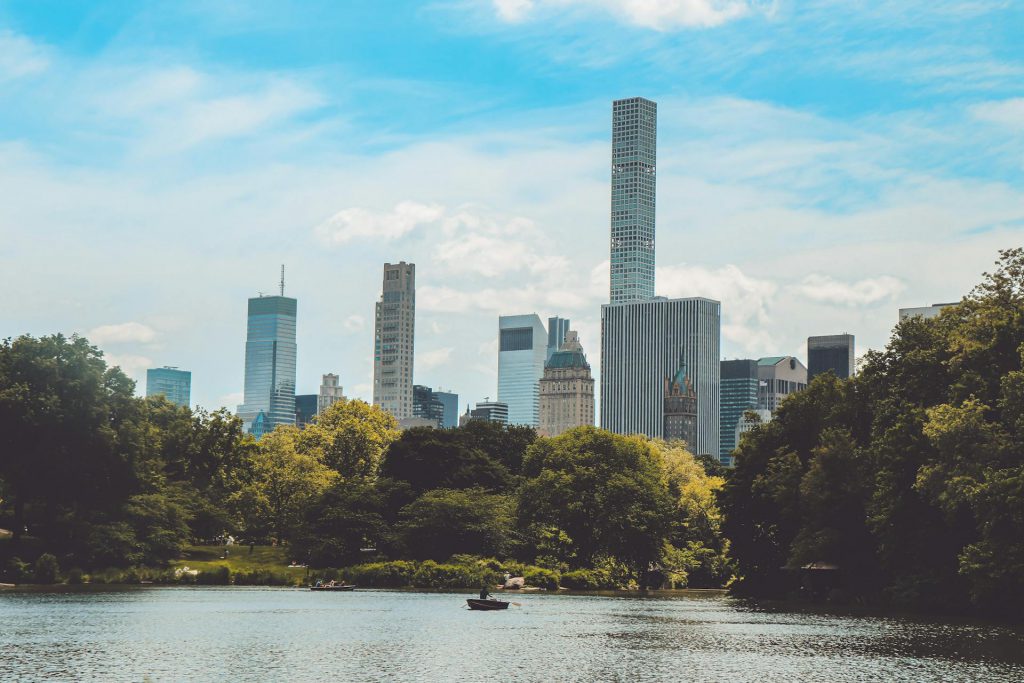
x,y
557,329
305,408
778,377
426,405
830,352
491,411
522,349
644,342
170,382
330,392
394,335
450,401
269,398
634,162
680,408
749,420
739,394
926,312
567,389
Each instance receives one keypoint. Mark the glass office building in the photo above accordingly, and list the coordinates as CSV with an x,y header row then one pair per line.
x,y
522,350
644,342
170,382
634,159
833,352
739,394
426,405
305,409
269,398
394,340
450,401
557,329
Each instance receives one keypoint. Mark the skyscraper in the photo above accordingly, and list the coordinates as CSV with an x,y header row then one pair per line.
x,y
269,398
831,352
450,401
394,336
305,409
426,405
926,312
330,392
491,411
567,389
522,349
777,378
170,382
557,329
642,343
634,160
680,411
739,394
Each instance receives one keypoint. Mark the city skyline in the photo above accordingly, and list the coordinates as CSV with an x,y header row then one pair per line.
x,y
225,160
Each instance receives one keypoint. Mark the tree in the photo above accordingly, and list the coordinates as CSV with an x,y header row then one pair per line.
x,y
445,522
278,484
348,517
351,437
430,459
603,490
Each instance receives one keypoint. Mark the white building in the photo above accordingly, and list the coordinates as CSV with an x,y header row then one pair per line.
x,y
567,389
778,377
330,393
644,342
926,312
522,350
751,419
394,335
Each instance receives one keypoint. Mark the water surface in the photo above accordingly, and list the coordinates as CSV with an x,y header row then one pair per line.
x,y
267,634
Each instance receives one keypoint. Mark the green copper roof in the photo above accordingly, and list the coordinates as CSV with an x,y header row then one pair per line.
x,y
771,360
567,359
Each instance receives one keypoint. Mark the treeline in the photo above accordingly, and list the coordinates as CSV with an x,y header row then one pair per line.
x,y
905,484
98,478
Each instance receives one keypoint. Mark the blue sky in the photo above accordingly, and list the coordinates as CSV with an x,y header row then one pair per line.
x,y
822,163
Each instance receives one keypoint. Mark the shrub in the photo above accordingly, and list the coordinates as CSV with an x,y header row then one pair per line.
x,y
588,580
541,578
46,569
394,574
263,577
75,576
430,574
17,571
218,576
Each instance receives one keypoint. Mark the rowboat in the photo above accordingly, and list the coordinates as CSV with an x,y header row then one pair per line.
x,y
486,605
335,587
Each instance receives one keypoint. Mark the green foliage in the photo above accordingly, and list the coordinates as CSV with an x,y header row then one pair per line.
x,y
444,522
542,578
395,574
17,571
350,437
909,476
443,459
75,576
46,569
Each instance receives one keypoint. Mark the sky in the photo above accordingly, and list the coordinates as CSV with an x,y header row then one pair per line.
x,y
822,163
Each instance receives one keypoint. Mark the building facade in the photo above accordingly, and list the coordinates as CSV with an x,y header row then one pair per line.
x,y
644,342
522,350
634,164
830,352
778,377
749,420
491,411
394,340
305,408
330,392
926,312
269,396
680,408
426,405
450,401
566,389
173,384
739,394
557,329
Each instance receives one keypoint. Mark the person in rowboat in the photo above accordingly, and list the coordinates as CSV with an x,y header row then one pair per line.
x,y
484,593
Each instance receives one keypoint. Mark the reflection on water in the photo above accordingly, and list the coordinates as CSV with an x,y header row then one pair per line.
x,y
264,634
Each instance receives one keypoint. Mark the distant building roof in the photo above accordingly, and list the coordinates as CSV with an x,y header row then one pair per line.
x,y
771,360
568,359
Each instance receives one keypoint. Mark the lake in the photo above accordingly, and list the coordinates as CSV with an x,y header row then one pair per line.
x,y
270,634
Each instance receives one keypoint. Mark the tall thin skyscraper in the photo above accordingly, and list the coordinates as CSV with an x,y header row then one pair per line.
x,y
173,384
739,394
830,352
557,329
394,337
270,350
634,162
522,350
644,342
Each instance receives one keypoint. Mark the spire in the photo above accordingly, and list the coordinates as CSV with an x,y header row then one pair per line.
x,y
282,279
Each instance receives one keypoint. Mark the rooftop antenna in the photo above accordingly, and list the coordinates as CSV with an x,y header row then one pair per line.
x,y
282,279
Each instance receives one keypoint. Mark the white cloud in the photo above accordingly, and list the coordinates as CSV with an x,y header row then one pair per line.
x,y
231,400
355,323
660,15
824,289
488,247
358,223
20,57
134,366
1009,113
428,360
123,333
